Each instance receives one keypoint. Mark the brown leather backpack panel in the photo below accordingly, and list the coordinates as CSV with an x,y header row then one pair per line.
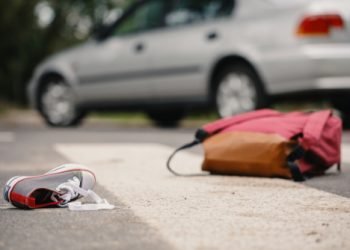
x,y
247,153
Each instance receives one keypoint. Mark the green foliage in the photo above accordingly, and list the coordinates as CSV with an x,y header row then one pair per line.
x,y
24,43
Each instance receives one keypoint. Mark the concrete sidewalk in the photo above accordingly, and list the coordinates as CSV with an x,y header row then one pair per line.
x,y
215,212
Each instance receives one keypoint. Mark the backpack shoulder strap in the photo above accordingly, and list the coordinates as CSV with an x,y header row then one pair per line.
x,y
297,153
188,145
314,126
199,137
217,126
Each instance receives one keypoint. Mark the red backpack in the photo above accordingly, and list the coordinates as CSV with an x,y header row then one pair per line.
x,y
271,144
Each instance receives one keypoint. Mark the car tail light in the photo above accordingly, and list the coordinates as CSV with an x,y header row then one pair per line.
x,y
319,25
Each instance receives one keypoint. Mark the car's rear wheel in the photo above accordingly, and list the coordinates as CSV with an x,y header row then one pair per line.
x,y
166,118
238,89
57,104
342,104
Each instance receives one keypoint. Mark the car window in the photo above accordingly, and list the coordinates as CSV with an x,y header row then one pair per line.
x,y
192,11
149,15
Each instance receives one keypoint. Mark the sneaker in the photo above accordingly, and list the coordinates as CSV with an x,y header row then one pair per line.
x,y
55,188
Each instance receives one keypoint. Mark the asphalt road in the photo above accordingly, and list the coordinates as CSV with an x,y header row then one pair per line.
x,y
29,149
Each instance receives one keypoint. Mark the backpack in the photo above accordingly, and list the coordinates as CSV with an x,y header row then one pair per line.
x,y
268,143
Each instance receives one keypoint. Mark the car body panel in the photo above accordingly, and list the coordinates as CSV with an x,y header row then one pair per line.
x,y
176,64
110,70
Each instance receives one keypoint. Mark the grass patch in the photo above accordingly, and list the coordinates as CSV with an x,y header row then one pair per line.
x,y
192,119
140,116
126,118
200,117
136,116
7,108
301,106
4,107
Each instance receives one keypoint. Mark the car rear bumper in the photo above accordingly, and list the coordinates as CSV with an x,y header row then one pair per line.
x,y
331,63
333,83
311,67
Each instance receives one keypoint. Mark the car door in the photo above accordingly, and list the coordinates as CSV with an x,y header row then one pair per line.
x,y
114,69
184,50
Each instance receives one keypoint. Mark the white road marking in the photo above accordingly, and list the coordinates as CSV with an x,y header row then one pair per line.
x,y
345,153
5,206
215,212
7,137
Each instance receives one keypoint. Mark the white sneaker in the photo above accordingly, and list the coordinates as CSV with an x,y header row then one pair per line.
x,y
57,187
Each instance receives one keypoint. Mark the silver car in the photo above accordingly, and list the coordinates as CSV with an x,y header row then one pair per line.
x,y
165,57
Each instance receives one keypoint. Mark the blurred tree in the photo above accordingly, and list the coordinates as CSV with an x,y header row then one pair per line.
x,y
30,30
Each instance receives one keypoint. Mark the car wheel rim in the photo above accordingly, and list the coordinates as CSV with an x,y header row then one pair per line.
x,y
58,103
236,94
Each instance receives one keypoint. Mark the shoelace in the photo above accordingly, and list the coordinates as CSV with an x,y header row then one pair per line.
x,y
71,190
68,192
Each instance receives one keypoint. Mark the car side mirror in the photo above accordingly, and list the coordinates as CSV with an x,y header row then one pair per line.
x,y
100,31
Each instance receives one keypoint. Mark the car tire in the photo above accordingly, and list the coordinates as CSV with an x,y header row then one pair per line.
x,y
57,104
343,106
238,89
167,118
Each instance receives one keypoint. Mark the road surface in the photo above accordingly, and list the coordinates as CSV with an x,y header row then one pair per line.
x,y
155,210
